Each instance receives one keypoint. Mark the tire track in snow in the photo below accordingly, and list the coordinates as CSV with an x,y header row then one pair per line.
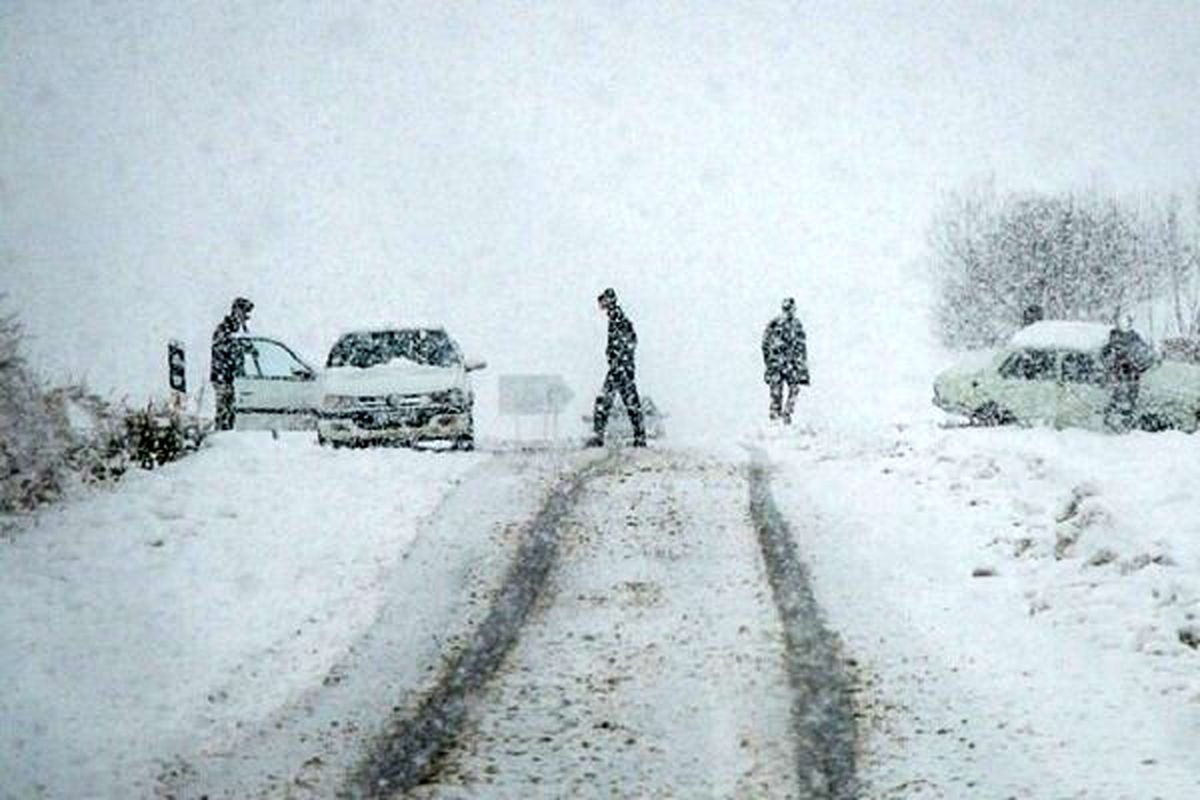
x,y
654,664
823,715
411,751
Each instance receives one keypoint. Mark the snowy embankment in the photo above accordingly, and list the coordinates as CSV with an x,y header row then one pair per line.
x,y
1023,605
194,601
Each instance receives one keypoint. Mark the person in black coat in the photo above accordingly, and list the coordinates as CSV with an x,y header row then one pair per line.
x,y
785,356
227,360
622,340
1125,357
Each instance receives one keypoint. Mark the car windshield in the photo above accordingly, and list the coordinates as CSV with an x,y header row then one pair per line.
x,y
369,349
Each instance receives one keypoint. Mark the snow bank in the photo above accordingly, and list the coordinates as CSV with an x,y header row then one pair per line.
x,y
1022,604
192,598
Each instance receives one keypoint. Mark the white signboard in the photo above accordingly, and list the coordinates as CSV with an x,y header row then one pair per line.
x,y
528,395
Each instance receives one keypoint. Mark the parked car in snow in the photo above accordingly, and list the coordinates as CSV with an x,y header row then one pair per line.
x,y
274,388
1051,373
397,385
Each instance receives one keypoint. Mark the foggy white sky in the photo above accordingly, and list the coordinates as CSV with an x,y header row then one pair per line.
x,y
494,165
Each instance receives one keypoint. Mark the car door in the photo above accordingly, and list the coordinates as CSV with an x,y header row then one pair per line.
x,y
274,388
1028,385
1083,393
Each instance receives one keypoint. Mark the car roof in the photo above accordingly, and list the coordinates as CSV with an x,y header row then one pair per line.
x,y
1062,335
366,331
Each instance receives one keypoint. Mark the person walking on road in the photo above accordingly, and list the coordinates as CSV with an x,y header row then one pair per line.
x,y
226,360
620,378
785,356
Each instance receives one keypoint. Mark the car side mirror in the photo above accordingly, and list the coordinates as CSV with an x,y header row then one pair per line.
x,y
301,373
471,365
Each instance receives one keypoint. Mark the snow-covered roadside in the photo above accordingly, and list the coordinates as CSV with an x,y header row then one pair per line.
x,y
1022,604
194,599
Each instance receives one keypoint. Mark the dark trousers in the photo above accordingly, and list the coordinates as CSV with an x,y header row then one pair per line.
x,y
775,381
1121,414
225,414
619,381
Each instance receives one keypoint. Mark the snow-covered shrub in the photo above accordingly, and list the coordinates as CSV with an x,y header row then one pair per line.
x,y
160,433
97,449
1181,348
33,433
50,438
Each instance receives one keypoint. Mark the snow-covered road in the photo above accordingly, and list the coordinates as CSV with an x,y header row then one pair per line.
x,y
265,619
245,618
655,665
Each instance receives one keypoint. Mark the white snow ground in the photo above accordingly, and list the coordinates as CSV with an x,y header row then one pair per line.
x,y
1022,604
199,598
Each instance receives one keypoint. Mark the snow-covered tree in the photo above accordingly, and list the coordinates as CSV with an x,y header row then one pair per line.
x,y
50,437
31,430
1073,256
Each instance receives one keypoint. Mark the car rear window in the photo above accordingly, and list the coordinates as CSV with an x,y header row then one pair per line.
x,y
1030,365
369,349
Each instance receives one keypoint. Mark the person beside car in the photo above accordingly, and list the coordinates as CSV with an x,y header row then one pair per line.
x,y
226,360
785,357
1125,357
622,340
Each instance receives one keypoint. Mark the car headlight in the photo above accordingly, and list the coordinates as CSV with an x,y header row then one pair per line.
x,y
451,397
338,402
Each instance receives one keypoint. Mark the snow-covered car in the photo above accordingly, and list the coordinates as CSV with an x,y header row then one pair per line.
x,y
397,385
1052,373
273,387
619,426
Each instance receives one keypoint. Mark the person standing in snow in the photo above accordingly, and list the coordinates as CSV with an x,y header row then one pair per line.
x,y
1125,357
226,360
785,356
620,378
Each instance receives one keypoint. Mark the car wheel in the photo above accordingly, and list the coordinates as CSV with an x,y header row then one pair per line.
x,y
990,414
1153,423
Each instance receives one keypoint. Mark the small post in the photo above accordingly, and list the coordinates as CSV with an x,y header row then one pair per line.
x,y
177,372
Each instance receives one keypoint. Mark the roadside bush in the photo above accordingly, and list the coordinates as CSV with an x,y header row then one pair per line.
x,y
33,433
161,433
51,438
1181,348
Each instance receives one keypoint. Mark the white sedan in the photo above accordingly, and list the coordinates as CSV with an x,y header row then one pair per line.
x,y
274,388
1051,373
398,386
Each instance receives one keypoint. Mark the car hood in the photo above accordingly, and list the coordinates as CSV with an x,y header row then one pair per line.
x,y
969,366
396,377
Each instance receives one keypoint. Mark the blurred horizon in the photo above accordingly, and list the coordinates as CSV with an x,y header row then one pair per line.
x,y
492,166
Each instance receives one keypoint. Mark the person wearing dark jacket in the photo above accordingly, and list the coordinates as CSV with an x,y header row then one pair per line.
x,y
785,356
1125,357
227,360
622,340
